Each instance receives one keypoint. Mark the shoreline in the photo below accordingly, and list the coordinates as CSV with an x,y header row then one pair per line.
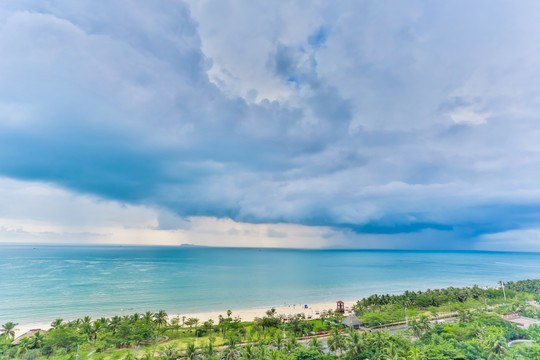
x,y
246,314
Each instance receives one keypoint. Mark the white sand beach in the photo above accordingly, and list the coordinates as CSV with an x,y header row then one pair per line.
x,y
312,311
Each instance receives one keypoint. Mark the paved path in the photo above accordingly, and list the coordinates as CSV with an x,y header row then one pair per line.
x,y
520,341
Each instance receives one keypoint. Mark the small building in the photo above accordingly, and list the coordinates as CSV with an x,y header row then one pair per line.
x,y
27,334
340,306
351,321
523,322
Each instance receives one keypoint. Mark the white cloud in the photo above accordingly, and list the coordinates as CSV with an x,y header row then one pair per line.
x,y
225,110
40,213
468,117
39,203
526,240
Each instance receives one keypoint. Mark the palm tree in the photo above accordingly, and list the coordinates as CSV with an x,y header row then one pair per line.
x,y
148,317
355,342
75,323
8,329
160,318
209,350
191,351
87,329
148,355
24,346
135,317
415,327
99,326
415,354
291,345
294,325
336,342
192,322
464,315
424,323
262,352
322,318
378,340
359,309
278,342
208,325
169,352
36,341
232,340
274,355
175,324
495,343
316,345
25,343
392,353
338,317
247,353
56,323
115,323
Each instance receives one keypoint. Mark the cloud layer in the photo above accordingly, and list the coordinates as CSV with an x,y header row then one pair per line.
x,y
386,124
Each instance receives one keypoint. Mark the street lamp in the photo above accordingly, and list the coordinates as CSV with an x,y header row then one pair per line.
x,y
196,337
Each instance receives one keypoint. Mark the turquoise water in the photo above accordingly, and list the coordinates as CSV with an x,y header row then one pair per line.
x,y
41,283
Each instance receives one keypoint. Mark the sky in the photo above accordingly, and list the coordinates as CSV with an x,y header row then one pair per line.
x,y
306,124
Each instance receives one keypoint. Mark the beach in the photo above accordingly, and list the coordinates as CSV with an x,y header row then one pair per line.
x,y
312,311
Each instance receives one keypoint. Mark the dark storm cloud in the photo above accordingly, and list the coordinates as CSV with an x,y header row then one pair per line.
x,y
396,118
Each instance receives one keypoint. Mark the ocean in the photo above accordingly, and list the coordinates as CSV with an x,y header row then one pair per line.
x,y
41,283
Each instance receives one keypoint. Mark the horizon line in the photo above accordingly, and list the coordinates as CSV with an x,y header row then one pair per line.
x,y
187,246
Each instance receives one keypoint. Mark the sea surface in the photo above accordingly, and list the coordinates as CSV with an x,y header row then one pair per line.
x,y
41,283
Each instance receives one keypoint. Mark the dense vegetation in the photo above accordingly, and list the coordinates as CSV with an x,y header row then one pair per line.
x,y
529,286
436,297
474,330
